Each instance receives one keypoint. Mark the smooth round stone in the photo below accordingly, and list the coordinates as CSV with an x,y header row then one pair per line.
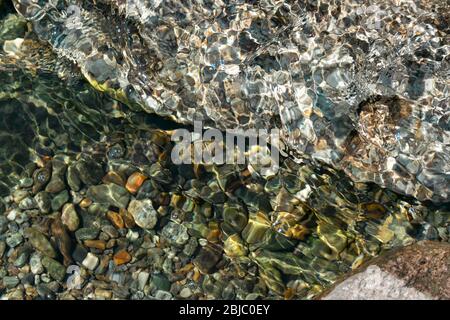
x,y
69,217
87,234
55,269
41,177
73,179
135,181
44,292
43,202
35,264
175,233
59,200
132,235
235,218
143,213
234,246
55,185
185,293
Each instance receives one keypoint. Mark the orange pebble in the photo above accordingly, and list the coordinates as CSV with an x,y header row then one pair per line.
x,y
135,181
115,219
121,257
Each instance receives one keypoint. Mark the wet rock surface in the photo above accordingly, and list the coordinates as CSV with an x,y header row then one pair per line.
x,y
417,272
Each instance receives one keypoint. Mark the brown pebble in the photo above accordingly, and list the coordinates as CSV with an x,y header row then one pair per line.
x,y
113,177
135,181
127,218
86,202
97,244
122,257
116,219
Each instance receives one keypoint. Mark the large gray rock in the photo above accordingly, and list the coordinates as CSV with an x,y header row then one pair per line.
x,y
417,272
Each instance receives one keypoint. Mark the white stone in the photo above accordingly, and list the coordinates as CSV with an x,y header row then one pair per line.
x,y
143,279
91,261
185,293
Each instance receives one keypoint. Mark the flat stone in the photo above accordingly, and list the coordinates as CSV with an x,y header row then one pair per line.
x,y
55,269
40,242
10,282
121,257
109,194
91,261
87,234
161,282
97,244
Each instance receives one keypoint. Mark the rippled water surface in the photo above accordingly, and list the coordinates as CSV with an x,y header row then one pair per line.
x,y
92,205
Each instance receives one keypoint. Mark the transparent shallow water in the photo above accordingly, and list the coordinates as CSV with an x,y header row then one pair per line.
x,y
222,231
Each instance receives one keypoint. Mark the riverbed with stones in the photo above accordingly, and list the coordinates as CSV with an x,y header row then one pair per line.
x,y
92,206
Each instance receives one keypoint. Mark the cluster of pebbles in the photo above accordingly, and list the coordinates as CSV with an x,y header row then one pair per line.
x,y
121,221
